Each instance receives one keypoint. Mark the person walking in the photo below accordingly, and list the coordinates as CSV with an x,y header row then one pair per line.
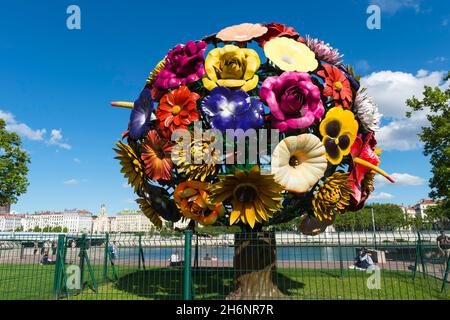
x,y
35,247
443,243
54,247
112,252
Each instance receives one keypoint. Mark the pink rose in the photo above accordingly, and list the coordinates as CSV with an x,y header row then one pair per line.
x,y
293,99
184,64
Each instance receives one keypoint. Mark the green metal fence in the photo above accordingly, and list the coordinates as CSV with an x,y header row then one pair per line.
x,y
265,265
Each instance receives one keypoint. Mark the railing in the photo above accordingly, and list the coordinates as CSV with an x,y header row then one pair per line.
x,y
280,265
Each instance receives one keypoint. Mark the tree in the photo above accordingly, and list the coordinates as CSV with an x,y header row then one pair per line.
x,y
436,139
387,217
13,166
37,229
438,215
65,230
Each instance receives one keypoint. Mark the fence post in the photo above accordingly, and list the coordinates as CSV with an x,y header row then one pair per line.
x,y
445,277
187,281
81,256
105,258
341,262
59,266
419,255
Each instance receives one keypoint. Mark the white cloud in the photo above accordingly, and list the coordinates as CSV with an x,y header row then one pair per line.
x,y
401,179
380,196
402,134
391,89
21,128
71,182
392,6
56,138
25,131
126,185
76,160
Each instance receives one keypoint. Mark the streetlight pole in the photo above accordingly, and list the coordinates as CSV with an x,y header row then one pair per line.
x,y
374,230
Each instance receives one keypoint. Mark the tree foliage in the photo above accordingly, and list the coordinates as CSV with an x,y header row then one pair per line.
x,y
13,166
387,217
436,137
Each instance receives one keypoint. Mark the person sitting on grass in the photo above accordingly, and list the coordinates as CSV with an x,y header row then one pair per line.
x,y
175,260
45,260
363,260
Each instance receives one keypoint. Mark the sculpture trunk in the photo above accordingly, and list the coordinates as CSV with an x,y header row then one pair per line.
x,y
255,267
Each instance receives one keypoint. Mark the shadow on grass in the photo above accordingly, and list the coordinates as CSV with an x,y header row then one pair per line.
x,y
208,283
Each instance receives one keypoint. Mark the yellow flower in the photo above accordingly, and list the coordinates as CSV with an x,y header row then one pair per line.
x,y
339,130
233,67
332,197
290,55
198,149
254,197
159,67
149,212
132,166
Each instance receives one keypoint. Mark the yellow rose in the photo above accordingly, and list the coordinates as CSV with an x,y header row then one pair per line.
x,y
233,67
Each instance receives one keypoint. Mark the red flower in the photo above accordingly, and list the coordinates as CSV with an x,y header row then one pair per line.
x,y
276,30
176,110
365,160
337,85
156,154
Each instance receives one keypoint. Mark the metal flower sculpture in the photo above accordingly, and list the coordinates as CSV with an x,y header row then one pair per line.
x,y
221,135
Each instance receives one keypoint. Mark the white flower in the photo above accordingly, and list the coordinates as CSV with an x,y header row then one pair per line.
x,y
298,162
324,51
367,111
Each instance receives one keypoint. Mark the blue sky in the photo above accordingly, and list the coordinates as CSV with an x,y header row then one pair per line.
x,y
56,84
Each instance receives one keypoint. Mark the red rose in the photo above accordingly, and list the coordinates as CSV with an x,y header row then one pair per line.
x,y
276,30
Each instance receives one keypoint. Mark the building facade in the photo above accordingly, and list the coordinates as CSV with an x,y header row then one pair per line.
x,y
101,223
5,209
131,221
75,221
10,222
418,209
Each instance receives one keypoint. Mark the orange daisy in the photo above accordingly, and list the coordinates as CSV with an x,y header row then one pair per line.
x,y
176,110
156,154
337,85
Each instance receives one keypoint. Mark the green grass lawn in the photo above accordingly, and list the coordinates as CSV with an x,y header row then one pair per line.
x,y
28,281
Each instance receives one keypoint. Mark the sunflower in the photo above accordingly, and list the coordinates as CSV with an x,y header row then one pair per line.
x,y
332,197
132,166
254,197
149,212
156,154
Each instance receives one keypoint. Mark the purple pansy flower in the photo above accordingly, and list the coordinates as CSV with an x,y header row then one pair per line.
x,y
141,115
233,109
184,64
